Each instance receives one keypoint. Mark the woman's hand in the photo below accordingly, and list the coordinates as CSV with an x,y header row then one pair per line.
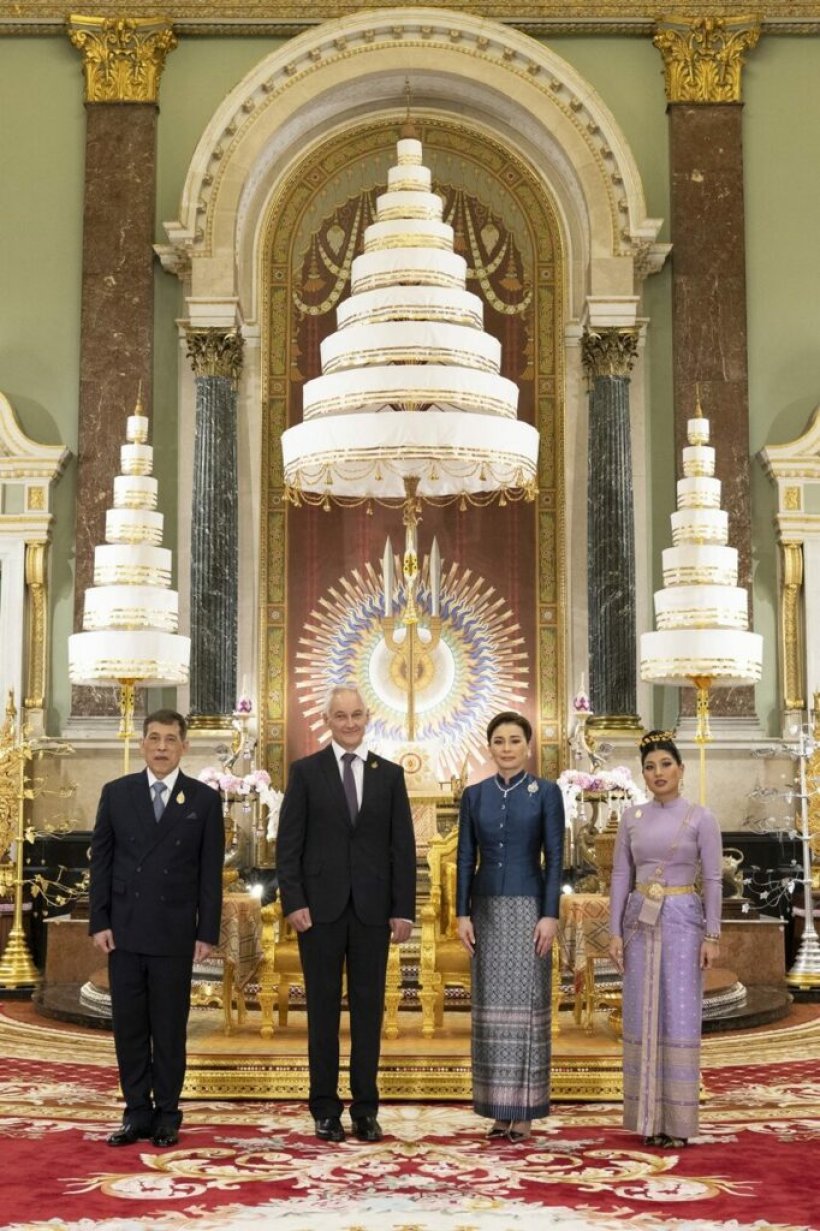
x,y
616,951
466,932
544,935
709,954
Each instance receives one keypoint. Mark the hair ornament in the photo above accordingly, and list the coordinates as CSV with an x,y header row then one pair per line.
x,y
657,737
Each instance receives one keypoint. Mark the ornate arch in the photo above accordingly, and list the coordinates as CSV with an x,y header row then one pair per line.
x,y
464,71
458,65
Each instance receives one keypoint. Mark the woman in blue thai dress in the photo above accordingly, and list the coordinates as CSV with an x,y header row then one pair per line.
x,y
510,855
664,935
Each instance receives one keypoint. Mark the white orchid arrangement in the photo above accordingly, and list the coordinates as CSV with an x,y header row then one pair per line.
x,y
253,785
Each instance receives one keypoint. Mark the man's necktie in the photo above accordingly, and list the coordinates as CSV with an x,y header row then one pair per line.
x,y
159,803
349,783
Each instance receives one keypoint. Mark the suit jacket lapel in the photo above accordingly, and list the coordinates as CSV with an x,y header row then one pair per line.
x,y
371,780
141,794
330,766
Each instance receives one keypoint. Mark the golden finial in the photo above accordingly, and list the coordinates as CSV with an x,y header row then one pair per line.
x,y
698,407
139,409
408,128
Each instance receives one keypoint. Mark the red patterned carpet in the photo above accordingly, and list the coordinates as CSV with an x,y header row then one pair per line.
x,y
754,1167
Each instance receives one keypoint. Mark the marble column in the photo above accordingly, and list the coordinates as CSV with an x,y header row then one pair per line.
x,y
123,59
608,356
216,357
703,60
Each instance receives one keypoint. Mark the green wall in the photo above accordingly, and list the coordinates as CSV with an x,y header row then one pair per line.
x,y
782,174
42,135
42,149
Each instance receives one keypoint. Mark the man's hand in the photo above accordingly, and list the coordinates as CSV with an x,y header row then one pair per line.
x,y
300,920
201,950
400,930
544,935
466,933
104,940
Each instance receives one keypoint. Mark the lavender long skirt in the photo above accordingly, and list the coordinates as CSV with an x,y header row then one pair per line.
x,y
662,1006
510,1012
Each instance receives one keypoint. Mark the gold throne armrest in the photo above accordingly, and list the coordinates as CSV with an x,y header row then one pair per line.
x,y
444,960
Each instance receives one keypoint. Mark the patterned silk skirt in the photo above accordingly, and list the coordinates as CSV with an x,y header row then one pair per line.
x,y
510,1011
662,1005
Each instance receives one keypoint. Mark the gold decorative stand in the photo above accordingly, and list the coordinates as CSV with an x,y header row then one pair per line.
x,y
17,969
126,693
412,667
703,733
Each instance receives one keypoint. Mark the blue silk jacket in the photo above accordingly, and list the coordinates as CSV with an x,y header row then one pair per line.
x,y
516,841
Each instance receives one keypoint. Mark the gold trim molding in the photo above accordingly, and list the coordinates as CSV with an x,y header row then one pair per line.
x,y
123,57
37,625
790,623
215,352
609,352
703,57
285,18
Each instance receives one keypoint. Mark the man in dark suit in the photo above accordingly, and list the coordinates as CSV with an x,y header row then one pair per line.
x,y
346,861
156,901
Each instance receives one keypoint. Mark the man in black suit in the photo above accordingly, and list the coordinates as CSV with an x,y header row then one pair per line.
x,y
156,901
346,861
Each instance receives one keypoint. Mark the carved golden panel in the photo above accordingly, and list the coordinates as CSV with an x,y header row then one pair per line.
x,y
793,499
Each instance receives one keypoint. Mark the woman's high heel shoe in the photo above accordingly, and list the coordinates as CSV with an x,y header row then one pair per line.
x,y
675,1143
499,1129
657,1139
520,1130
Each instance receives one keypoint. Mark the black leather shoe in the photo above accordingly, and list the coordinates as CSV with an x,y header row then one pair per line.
x,y
330,1129
128,1135
367,1128
165,1136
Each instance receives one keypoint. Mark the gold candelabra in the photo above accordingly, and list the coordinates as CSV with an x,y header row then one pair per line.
x,y
17,967
410,642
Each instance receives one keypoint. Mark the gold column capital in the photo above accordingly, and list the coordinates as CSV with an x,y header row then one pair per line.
x,y
215,352
702,58
609,352
123,57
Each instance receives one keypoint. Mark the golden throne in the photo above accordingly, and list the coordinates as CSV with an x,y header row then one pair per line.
x,y
444,960
283,970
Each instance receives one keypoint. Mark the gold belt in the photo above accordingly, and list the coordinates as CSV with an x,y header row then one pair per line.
x,y
654,889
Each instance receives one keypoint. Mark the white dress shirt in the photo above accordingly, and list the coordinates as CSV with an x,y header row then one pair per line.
x,y
169,783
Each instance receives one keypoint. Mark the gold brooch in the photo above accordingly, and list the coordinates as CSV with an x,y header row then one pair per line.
x,y
374,765
638,813
181,797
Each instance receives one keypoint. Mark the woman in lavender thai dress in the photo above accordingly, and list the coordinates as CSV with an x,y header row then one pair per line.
x,y
510,856
664,935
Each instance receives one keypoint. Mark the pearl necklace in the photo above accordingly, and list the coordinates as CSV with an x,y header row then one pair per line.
x,y
505,790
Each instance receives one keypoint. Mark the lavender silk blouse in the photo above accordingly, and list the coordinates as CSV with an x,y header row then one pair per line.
x,y
646,835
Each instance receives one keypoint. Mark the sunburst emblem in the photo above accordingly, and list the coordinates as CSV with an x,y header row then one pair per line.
x,y
479,666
